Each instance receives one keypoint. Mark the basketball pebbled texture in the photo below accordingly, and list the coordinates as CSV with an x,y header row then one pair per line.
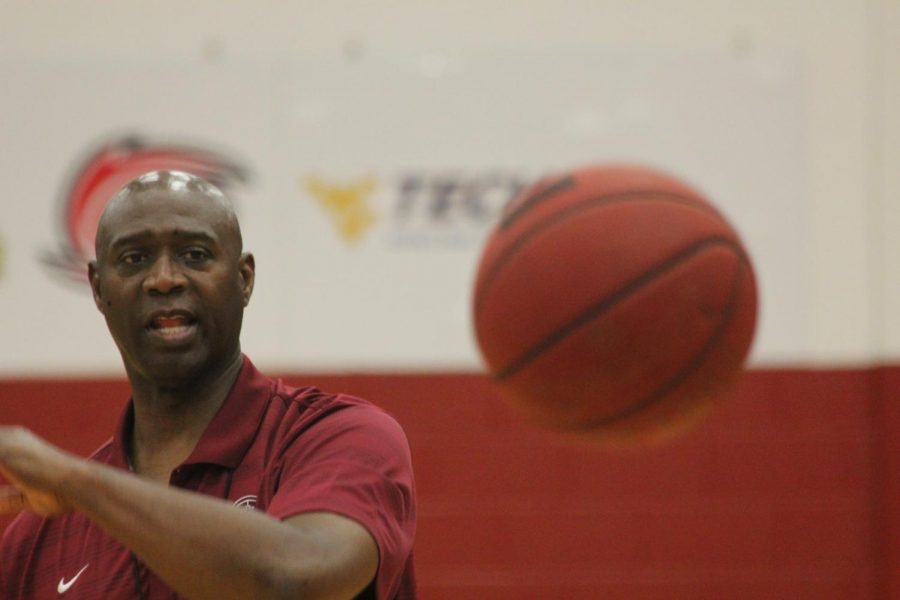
x,y
614,301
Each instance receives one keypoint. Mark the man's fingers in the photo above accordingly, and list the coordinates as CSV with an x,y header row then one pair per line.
x,y
33,470
12,501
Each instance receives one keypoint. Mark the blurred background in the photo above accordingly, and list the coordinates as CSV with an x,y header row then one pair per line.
x,y
370,147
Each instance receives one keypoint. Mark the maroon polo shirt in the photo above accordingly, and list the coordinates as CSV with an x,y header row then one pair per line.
x,y
272,448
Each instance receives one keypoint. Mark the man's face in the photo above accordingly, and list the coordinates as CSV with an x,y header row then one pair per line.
x,y
172,284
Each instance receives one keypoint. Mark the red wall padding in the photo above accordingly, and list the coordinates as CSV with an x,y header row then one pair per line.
x,y
791,489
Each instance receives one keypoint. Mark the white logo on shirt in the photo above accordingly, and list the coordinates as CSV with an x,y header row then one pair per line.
x,y
64,585
247,502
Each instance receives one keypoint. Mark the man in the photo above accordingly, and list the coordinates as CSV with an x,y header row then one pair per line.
x,y
329,476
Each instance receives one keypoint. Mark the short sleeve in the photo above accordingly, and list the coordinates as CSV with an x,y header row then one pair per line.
x,y
356,463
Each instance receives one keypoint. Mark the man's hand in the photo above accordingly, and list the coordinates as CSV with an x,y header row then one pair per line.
x,y
36,471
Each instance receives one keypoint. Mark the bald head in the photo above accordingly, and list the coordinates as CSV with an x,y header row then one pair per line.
x,y
169,192
171,279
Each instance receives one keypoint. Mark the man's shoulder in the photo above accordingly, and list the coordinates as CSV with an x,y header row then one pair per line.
x,y
308,401
316,401
309,408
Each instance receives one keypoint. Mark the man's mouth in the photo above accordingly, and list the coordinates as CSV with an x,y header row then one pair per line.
x,y
172,327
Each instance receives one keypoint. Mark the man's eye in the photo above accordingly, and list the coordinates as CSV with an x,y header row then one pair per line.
x,y
196,255
133,258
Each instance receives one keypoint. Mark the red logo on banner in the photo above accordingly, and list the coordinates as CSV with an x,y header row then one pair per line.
x,y
105,172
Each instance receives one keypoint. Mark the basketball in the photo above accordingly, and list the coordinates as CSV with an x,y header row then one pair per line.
x,y
615,302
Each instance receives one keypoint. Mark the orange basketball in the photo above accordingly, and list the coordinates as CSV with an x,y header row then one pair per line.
x,y
614,301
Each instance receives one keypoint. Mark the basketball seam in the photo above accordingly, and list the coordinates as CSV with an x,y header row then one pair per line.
x,y
537,196
571,212
691,365
604,304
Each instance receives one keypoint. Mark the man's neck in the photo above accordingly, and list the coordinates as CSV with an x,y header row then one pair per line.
x,y
168,422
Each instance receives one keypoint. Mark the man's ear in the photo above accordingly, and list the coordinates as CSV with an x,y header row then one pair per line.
x,y
247,269
94,279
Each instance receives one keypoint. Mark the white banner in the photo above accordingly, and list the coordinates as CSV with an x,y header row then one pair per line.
x,y
366,187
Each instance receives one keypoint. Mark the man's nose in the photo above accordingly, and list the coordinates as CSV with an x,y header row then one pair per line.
x,y
165,276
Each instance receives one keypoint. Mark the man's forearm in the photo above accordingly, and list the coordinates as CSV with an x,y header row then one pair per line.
x,y
202,547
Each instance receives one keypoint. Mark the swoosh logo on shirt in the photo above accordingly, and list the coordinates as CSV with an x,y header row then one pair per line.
x,y
64,585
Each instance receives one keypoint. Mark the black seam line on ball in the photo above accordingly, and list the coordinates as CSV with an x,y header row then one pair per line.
x,y
694,363
536,197
575,210
601,306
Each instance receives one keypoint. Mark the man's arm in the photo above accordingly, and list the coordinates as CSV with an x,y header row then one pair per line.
x,y
202,547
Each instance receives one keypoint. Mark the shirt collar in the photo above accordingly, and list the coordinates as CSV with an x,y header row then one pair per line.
x,y
228,435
